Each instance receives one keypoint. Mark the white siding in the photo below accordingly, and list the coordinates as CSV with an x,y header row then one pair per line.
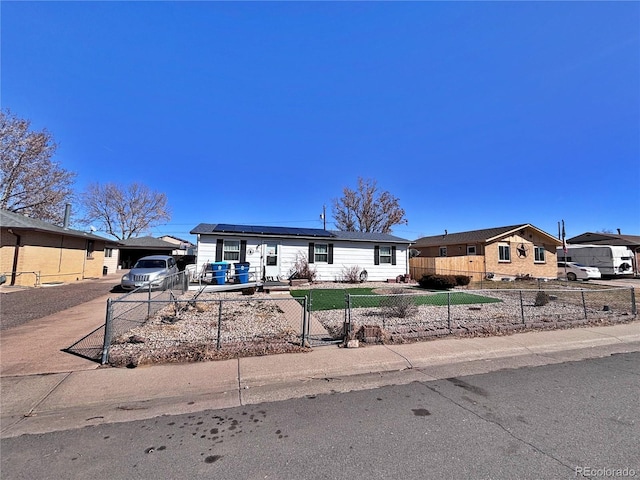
x,y
112,262
345,254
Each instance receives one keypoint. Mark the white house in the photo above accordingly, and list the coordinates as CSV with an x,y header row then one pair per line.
x,y
272,251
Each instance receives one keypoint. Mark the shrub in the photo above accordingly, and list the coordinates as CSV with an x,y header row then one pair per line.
x,y
351,274
462,280
542,298
437,282
398,305
302,269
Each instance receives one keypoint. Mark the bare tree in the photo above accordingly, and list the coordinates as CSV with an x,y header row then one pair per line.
x,y
124,212
30,182
367,210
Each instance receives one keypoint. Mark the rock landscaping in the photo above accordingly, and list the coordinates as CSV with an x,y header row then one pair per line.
x,y
260,324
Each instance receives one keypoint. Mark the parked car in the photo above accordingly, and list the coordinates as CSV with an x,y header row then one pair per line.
x,y
577,271
157,270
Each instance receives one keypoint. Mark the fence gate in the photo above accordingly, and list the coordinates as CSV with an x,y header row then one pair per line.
x,y
315,332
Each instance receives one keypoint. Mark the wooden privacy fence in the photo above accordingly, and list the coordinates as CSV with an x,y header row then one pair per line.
x,y
471,265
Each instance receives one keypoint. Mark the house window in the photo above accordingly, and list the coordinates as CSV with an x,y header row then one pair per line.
x,y
443,251
108,252
504,253
471,250
385,254
538,254
321,252
90,248
231,251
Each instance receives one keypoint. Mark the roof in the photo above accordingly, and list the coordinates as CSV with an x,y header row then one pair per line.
x,y
181,240
224,229
368,237
477,236
17,221
146,242
596,238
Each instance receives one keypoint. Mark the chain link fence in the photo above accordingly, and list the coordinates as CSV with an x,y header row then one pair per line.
x,y
400,316
178,326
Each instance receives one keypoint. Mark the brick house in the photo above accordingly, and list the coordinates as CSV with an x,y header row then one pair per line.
x,y
503,252
34,252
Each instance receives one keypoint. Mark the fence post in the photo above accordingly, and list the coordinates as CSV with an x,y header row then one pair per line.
x,y
633,302
346,328
449,311
584,305
108,326
218,343
149,302
304,320
522,308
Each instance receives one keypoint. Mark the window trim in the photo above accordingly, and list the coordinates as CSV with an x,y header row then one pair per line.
x,y
507,249
387,256
471,247
442,251
324,254
376,255
90,248
225,250
536,250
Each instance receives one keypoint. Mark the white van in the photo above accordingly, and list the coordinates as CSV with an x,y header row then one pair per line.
x,y
612,261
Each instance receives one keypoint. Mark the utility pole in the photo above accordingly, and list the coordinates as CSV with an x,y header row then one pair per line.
x,y
323,216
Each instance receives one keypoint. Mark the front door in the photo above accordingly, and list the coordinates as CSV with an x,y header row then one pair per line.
x,y
272,261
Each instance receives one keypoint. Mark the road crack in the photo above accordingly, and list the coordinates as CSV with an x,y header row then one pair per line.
x,y
499,425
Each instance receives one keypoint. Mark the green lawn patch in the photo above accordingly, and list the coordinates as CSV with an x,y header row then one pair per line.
x,y
332,299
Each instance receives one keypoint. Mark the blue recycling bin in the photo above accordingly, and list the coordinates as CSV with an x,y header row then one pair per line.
x,y
242,272
219,272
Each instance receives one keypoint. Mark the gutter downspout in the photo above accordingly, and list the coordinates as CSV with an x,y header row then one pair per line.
x,y
16,256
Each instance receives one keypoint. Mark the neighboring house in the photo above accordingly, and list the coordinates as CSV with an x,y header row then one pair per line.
x,y
502,252
135,248
273,251
34,252
183,247
612,239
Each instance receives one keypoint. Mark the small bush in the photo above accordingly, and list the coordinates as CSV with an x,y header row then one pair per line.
x,y
542,298
437,282
302,269
399,305
351,274
462,280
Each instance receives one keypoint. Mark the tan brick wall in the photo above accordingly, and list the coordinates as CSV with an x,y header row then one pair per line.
x,y
515,267
45,258
522,266
7,242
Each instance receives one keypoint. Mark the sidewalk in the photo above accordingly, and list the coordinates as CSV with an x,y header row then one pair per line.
x,y
44,389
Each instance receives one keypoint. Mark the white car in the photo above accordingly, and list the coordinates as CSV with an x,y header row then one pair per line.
x,y
575,271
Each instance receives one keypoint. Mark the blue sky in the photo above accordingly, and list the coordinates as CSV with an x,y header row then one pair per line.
x,y
473,114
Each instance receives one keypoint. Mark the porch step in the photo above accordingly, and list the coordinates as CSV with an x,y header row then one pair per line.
x,y
275,288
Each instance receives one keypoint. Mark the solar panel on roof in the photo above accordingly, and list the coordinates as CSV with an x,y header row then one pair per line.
x,y
267,230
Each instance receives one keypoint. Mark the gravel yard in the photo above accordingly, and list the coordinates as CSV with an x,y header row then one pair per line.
x,y
260,324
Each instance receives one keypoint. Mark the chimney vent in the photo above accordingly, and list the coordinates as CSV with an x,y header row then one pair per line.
x,y
67,215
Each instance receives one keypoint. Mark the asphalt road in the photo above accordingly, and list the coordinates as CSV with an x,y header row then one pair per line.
x,y
567,420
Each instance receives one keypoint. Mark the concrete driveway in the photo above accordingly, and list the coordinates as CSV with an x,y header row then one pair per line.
x,y
619,282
